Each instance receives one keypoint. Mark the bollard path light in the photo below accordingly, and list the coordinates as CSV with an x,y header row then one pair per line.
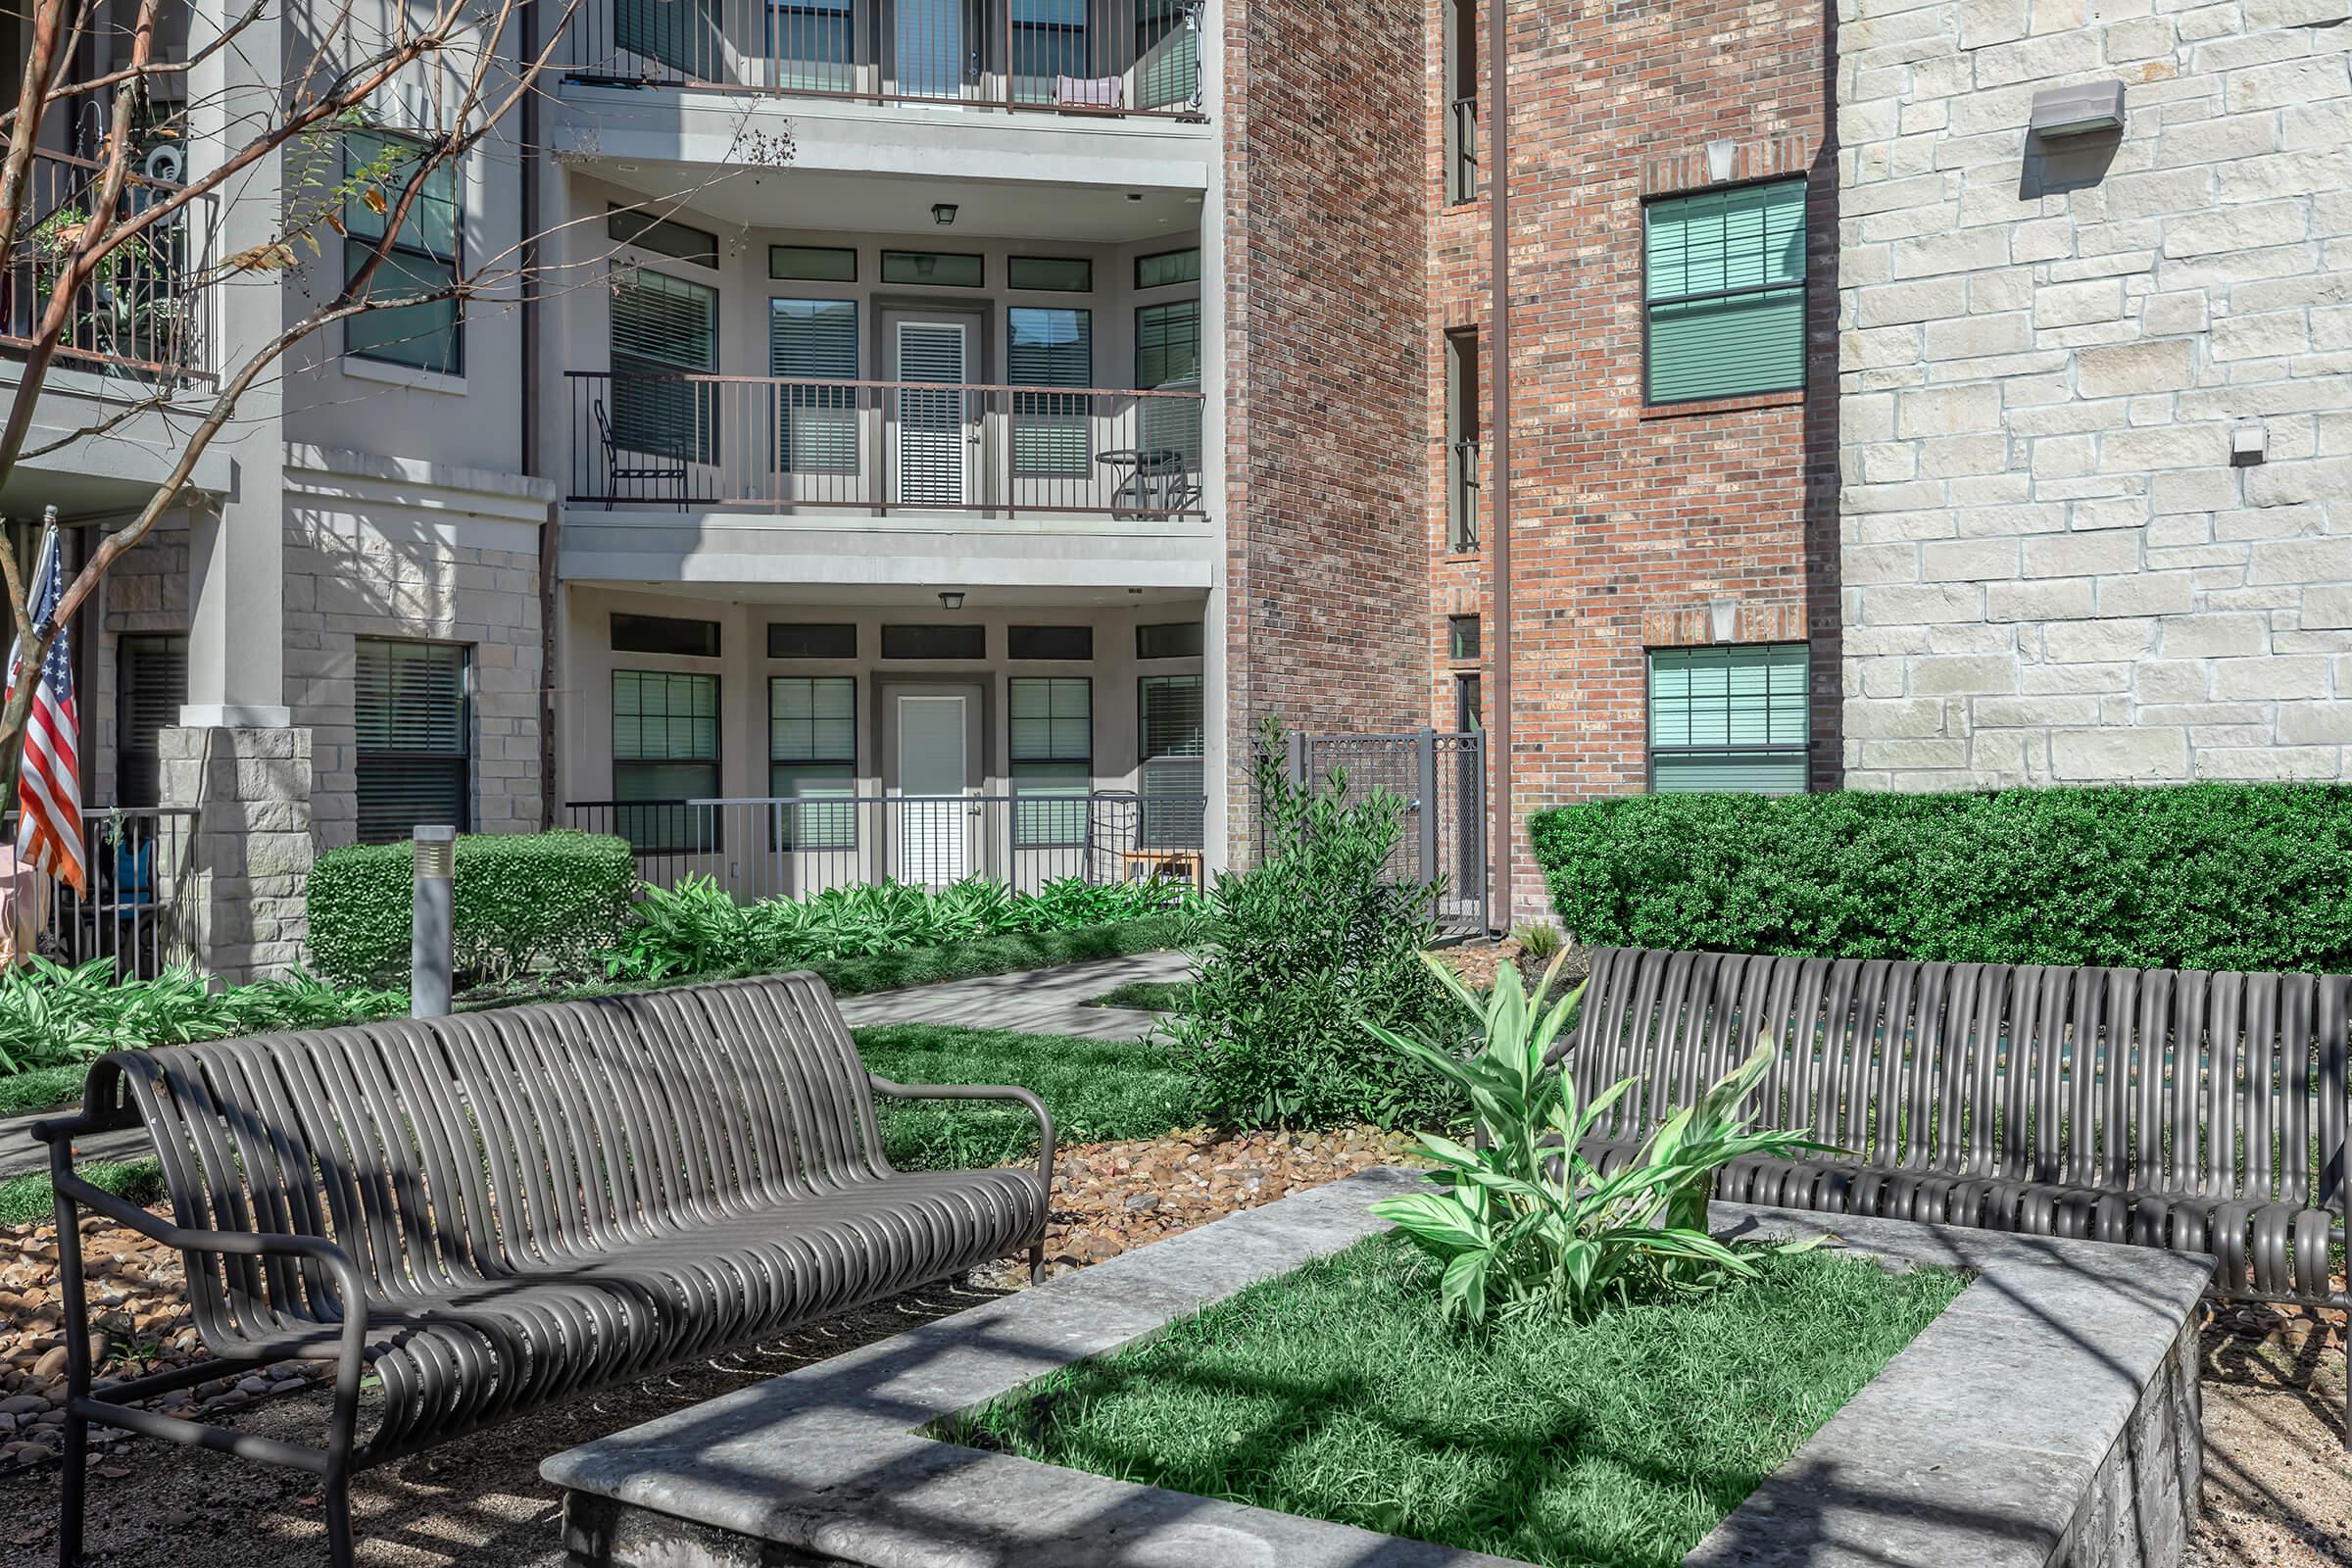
x,y
432,902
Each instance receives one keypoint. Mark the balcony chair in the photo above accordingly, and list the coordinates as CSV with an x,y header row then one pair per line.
x,y
671,471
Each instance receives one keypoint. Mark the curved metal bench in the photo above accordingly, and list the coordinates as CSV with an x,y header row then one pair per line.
x,y
490,1212
2193,1111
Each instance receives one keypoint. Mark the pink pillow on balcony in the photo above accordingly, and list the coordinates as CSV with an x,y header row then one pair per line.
x,y
1090,92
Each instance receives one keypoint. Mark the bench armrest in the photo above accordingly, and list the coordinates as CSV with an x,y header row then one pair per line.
x,y
1036,1109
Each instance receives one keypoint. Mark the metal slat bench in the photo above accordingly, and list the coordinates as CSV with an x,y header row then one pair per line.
x,y
2193,1111
491,1213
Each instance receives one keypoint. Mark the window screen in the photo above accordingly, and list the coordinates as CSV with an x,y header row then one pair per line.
x,y
665,328
1726,289
1049,642
813,640
1728,718
1052,750
1052,348
411,747
1174,744
1176,639
665,753
665,634
378,168
816,341
934,642
812,761
151,684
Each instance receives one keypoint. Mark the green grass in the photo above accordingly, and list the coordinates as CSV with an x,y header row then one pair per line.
x,y
25,1200
1337,1392
1098,1090
40,1088
1151,996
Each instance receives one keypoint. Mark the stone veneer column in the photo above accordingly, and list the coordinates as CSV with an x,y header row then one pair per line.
x,y
238,877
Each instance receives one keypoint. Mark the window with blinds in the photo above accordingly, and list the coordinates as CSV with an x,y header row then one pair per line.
x,y
1050,347
1174,746
378,168
1728,718
1053,752
151,685
1167,71
1048,40
665,753
813,43
815,340
682,34
1726,289
1167,354
412,748
812,761
665,328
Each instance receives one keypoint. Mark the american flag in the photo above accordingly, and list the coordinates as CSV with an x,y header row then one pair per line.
x,y
49,782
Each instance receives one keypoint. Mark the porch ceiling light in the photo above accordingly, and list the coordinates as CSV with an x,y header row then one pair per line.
x,y
950,599
943,212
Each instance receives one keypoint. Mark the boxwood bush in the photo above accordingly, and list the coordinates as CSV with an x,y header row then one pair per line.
x,y
2208,877
523,901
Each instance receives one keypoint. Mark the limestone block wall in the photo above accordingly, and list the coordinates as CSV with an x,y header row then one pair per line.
x,y
2053,568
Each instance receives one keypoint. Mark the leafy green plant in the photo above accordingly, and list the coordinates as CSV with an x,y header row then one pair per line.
x,y
1538,940
524,903
696,928
1292,956
1523,1220
52,1015
2202,876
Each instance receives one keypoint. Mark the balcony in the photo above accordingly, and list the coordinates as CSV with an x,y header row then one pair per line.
x,y
875,449
1082,58
139,314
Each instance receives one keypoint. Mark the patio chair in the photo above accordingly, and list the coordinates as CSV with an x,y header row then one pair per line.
x,y
671,470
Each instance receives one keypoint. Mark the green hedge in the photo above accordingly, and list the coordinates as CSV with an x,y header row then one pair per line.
x,y
2208,877
524,901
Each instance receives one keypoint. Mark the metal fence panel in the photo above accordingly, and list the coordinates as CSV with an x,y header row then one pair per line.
x,y
1441,777
138,860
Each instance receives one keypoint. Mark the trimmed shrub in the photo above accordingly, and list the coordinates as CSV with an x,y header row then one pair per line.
x,y
1293,955
524,902
2202,876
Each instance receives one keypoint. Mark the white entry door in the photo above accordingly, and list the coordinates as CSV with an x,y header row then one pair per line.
x,y
935,824
935,429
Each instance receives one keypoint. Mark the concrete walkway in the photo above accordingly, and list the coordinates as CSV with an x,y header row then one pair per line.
x,y
1038,1002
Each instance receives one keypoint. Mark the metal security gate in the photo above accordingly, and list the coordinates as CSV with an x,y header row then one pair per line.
x,y
1441,777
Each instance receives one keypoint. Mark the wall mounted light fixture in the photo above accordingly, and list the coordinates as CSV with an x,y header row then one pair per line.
x,y
944,213
950,599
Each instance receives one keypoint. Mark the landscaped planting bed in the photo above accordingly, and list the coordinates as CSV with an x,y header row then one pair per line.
x,y
1338,1392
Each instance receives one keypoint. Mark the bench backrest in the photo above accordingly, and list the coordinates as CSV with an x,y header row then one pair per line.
x,y
2120,1080
460,1148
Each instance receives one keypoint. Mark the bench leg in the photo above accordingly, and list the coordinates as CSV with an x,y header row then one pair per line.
x,y
338,1521
73,1319
1037,1261
70,1484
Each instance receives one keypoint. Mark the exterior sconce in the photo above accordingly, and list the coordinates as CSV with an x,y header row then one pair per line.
x,y
2078,111
944,213
950,599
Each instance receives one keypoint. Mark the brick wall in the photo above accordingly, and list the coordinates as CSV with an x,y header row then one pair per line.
x,y
1327,578
1632,526
2056,573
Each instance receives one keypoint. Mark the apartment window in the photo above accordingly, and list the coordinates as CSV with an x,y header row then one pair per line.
x,y
1462,455
411,751
664,329
812,43
1469,704
812,761
662,236
1461,91
377,168
1174,746
1726,283
151,685
1051,274
1175,639
1047,41
1461,636
935,268
666,634
1167,269
812,264
935,642
1049,642
811,640
1053,752
1050,438
1728,718
665,753
682,34
1167,356
1167,53
814,342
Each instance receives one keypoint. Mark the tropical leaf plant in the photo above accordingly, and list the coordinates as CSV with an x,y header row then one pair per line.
x,y
1520,1219
51,1015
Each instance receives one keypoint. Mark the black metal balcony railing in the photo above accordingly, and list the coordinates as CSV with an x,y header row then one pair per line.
x,y
743,442
1090,57
139,312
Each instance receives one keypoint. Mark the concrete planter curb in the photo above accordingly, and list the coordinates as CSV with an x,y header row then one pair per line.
x,y
2048,1417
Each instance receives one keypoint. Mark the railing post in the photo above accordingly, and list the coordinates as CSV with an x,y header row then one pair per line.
x,y
432,904
1425,746
1298,759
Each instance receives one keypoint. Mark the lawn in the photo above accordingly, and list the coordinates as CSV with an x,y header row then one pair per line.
x,y
1337,1392
1150,996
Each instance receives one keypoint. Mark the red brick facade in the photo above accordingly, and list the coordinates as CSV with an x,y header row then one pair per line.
x,y
1325,299
1632,525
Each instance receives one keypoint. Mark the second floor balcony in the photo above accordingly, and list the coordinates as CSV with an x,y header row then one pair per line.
x,y
139,313
1081,58
876,449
